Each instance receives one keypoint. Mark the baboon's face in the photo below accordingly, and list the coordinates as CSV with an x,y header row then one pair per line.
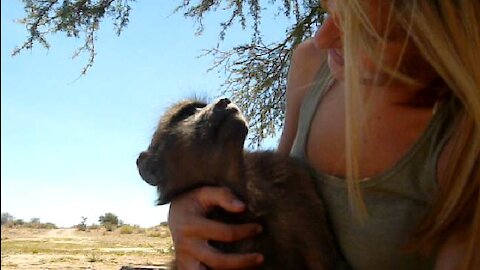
x,y
194,141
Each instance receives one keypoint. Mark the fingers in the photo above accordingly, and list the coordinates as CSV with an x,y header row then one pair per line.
x,y
210,197
214,230
214,259
188,263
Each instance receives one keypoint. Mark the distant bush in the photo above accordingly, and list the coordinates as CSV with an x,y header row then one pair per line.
x,y
127,229
9,221
94,227
109,227
34,223
48,225
9,224
154,234
159,232
18,222
140,230
82,226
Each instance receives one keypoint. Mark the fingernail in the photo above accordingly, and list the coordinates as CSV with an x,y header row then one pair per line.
x,y
259,259
238,203
259,229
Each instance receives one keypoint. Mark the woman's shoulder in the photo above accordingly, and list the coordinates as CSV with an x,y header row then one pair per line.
x,y
305,63
307,55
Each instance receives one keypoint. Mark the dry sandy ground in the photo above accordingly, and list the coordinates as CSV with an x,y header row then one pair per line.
x,y
72,249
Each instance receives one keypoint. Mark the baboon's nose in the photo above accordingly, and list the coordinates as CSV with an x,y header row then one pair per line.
x,y
222,103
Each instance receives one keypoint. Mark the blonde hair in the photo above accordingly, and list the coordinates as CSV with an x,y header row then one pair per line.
x,y
447,34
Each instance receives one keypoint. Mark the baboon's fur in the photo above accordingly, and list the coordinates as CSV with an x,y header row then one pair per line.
x,y
197,144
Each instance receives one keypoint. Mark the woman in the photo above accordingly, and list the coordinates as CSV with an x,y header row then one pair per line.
x,y
384,103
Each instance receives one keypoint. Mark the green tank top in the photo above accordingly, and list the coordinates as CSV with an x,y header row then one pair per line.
x,y
396,199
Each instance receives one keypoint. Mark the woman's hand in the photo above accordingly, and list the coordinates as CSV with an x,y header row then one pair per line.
x,y
191,230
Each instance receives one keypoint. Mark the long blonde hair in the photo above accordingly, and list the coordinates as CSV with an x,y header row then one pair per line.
x,y
447,34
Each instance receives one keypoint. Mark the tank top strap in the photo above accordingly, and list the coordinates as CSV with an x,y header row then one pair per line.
x,y
322,82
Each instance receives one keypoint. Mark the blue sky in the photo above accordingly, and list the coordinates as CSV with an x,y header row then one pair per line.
x,y
69,144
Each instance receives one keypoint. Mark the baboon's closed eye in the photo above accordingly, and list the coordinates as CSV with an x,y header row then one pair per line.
x,y
186,111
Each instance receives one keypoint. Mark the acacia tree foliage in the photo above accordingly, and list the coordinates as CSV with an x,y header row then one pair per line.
x,y
256,71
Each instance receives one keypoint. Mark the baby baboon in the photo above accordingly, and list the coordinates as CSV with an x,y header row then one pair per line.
x,y
197,145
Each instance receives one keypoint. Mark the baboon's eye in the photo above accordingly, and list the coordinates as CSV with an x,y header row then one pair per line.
x,y
193,109
187,111
196,108
199,105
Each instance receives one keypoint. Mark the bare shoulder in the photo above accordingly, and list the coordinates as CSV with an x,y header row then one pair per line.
x,y
308,51
305,62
